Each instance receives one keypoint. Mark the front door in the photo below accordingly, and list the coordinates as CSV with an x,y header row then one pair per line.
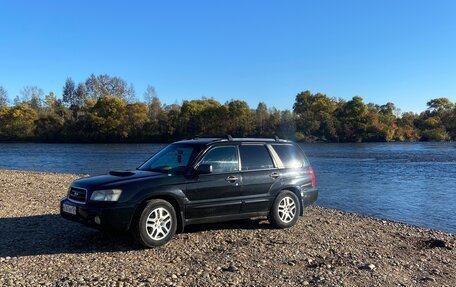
x,y
218,193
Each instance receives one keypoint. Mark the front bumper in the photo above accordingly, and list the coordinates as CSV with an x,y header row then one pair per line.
x,y
111,215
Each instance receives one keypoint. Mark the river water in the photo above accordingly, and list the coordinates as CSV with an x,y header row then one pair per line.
x,y
409,182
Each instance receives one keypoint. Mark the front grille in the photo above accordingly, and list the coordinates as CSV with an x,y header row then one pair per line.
x,y
77,194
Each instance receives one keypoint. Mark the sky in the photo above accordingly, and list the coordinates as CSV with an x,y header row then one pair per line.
x,y
254,50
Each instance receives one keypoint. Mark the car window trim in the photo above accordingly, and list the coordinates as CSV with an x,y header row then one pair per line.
x,y
275,157
214,147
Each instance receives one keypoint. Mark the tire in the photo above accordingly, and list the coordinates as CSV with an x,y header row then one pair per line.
x,y
285,210
156,224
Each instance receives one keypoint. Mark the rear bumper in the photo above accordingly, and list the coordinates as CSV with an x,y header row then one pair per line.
x,y
309,196
112,216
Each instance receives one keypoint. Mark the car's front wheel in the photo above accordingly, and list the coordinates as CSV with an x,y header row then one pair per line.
x,y
285,210
157,223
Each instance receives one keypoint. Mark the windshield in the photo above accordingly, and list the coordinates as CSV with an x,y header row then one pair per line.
x,y
173,158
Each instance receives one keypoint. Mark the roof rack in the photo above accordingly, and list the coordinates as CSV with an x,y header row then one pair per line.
x,y
228,137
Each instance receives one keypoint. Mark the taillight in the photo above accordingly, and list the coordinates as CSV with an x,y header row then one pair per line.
x,y
312,176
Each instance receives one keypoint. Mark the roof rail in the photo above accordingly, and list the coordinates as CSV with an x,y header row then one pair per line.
x,y
203,136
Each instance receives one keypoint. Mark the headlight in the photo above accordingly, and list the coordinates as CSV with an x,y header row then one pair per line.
x,y
106,195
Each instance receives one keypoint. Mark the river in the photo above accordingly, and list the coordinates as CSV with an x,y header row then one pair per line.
x,y
409,182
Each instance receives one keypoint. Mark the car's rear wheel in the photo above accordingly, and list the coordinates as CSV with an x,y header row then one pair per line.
x,y
285,210
156,224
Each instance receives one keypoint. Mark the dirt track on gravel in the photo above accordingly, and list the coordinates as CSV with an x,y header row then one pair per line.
x,y
325,248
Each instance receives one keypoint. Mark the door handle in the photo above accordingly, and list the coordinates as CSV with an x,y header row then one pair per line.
x,y
231,178
275,175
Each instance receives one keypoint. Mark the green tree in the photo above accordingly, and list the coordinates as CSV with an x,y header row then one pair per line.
x,y
315,116
353,118
107,119
440,105
194,117
136,120
273,123
239,118
18,122
406,127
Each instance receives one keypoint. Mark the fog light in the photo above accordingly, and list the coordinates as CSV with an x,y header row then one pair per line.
x,y
97,220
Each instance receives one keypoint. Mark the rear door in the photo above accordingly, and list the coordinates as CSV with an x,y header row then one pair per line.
x,y
217,193
294,169
259,177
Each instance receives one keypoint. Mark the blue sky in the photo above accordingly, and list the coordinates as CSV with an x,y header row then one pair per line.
x,y
399,51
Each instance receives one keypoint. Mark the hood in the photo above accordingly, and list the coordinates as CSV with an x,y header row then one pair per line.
x,y
115,177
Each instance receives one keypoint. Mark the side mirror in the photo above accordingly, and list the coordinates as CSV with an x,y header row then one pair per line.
x,y
204,168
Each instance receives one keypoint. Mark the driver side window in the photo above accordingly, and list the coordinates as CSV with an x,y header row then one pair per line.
x,y
223,159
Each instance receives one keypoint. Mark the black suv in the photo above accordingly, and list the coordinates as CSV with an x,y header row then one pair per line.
x,y
197,181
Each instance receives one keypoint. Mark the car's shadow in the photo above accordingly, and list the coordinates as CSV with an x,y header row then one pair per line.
x,y
51,234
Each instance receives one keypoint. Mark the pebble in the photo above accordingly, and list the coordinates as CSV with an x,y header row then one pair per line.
x,y
63,253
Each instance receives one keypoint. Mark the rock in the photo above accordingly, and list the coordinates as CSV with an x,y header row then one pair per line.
x,y
426,278
368,266
230,268
435,243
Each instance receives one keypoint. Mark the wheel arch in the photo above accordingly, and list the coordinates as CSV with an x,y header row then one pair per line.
x,y
172,199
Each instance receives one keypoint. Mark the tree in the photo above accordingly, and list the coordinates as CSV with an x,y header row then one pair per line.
x,y
407,130
353,118
3,97
32,96
262,117
287,127
136,120
50,101
74,97
153,104
194,115
240,120
440,105
108,119
19,122
69,93
81,94
315,116
149,94
105,85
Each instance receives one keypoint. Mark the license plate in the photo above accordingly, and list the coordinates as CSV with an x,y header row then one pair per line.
x,y
69,209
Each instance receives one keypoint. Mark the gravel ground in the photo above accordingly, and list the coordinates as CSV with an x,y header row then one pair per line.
x,y
325,248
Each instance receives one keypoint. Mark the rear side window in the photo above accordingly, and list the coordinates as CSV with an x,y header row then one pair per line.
x,y
255,157
223,159
290,155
